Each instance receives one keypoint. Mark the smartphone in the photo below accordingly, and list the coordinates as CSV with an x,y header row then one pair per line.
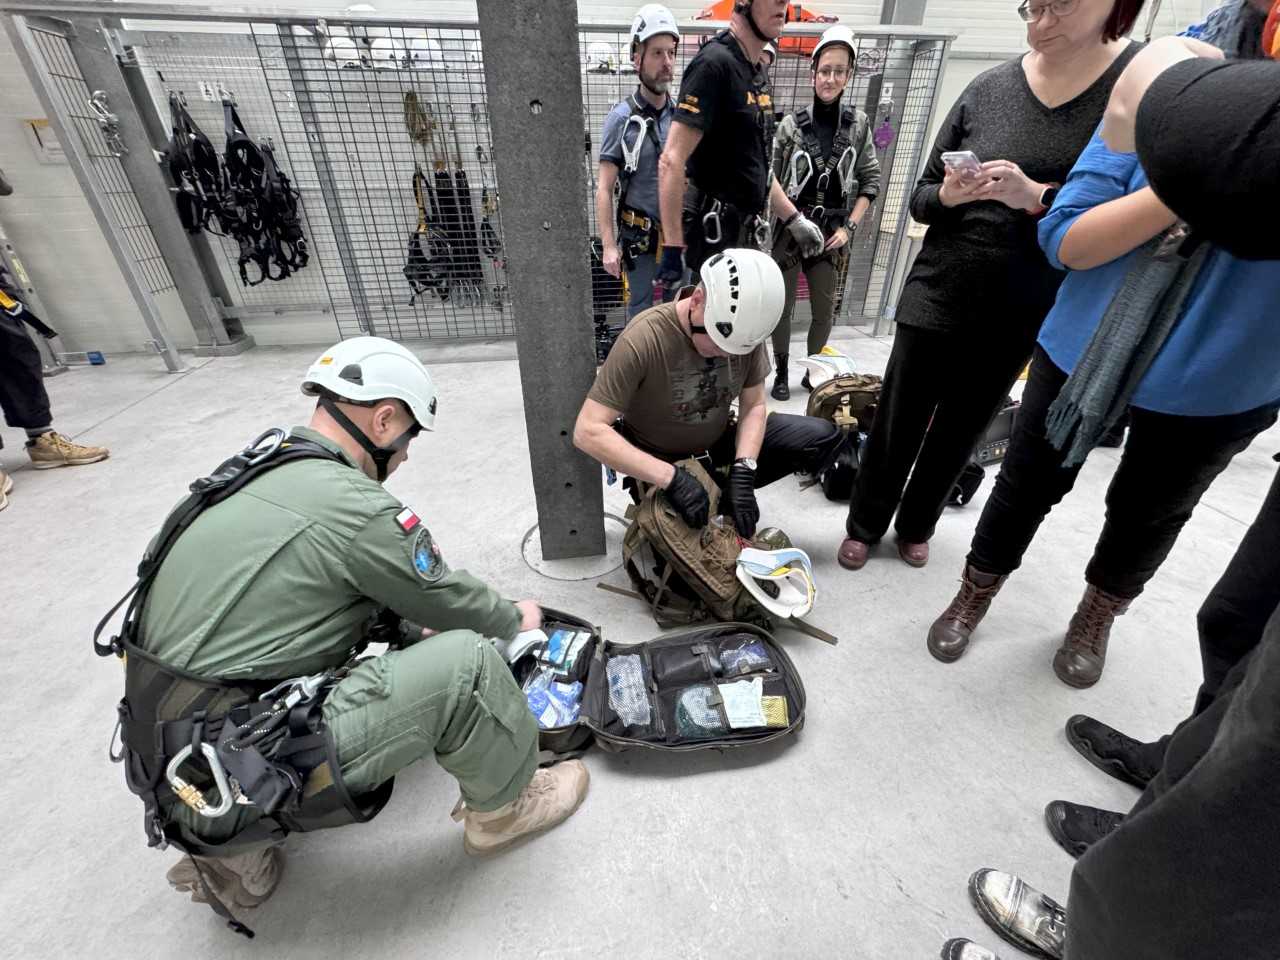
x,y
964,162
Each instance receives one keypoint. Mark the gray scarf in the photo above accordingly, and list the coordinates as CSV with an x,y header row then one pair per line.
x,y
1128,337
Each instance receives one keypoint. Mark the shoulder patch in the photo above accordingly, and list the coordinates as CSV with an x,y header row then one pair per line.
x,y
406,519
426,557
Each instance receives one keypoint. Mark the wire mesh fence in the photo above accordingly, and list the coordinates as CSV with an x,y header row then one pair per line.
x,y
67,85
384,129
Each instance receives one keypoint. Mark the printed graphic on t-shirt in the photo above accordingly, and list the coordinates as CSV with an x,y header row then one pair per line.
x,y
695,394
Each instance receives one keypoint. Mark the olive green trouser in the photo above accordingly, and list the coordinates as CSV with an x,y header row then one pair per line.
x,y
823,276
450,695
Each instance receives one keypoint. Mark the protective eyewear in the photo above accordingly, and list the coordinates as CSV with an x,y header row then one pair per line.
x,y
1031,13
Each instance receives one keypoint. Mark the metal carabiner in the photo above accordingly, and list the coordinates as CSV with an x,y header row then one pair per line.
x,y
631,155
297,689
255,455
712,217
798,182
844,169
762,232
192,795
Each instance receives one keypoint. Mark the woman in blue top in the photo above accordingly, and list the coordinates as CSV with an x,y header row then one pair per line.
x,y
1213,384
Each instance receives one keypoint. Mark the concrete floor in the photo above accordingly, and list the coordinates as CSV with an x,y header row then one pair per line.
x,y
853,839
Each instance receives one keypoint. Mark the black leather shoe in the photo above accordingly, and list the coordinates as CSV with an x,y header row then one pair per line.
x,y
781,390
1113,752
1019,914
1077,827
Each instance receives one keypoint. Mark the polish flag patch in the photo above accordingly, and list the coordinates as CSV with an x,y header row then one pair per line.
x,y
407,519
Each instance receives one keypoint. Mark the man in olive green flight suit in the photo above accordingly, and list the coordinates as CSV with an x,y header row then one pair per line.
x,y
281,579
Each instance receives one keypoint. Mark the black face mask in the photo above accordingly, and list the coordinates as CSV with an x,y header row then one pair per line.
x,y
381,456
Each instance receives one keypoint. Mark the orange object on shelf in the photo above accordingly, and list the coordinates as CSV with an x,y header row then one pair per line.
x,y
796,13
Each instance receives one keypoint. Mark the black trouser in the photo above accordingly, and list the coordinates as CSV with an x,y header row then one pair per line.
x,y
1168,463
792,444
940,392
1193,871
22,395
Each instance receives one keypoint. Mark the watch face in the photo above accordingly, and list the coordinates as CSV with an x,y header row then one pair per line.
x,y
748,462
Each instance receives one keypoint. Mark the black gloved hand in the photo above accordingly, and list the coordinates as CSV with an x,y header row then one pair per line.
x,y
671,266
741,493
689,498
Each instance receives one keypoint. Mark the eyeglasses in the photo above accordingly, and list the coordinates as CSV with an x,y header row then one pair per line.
x,y
1059,8
838,73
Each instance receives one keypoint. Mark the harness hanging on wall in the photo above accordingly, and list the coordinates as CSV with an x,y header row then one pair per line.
x,y
261,212
243,195
427,263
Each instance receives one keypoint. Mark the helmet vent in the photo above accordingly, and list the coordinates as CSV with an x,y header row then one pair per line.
x,y
353,374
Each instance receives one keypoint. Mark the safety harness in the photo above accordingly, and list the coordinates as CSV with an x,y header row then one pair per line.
x,y
261,744
637,232
196,171
809,161
261,208
428,259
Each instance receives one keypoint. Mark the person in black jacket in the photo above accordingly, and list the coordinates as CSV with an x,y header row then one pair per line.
x,y
1218,169
23,398
980,287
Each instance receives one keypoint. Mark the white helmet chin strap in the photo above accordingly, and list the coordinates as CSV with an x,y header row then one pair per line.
x,y
381,456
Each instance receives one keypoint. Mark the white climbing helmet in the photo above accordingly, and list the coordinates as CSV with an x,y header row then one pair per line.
x,y
651,20
827,364
386,54
837,35
368,369
744,298
781,580
342,50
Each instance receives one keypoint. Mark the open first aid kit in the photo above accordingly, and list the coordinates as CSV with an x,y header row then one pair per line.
x,y
719,685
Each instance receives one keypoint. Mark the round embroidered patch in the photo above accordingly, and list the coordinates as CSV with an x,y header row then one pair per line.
x,y
426,557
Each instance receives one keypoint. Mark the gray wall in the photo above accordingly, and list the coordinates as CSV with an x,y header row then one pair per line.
x,y
50,223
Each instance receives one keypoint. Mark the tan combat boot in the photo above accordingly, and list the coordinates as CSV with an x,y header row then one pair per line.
x,y
245,880
1080,659
551,797
6,484
950,633
52,449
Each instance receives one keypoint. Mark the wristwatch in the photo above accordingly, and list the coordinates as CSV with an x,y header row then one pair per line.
x,y
746,462
851,227
1047,196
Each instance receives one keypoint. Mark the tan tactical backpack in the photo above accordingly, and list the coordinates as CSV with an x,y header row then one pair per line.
x,y
847,401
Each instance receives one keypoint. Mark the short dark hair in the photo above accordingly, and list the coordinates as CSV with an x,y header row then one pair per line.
x,y
1124,14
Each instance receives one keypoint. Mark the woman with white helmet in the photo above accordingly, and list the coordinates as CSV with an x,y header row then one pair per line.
x,y
665,393
825,160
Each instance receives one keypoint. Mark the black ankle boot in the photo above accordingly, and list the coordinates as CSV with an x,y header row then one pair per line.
x,y
781,389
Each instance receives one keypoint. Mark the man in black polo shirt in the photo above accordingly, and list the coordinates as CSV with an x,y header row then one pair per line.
x,y
722,139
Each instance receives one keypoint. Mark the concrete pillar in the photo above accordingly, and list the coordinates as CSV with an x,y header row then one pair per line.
x,y
535,107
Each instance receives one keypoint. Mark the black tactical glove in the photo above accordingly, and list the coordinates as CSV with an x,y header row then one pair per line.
x,y
689,498
741,494
671,266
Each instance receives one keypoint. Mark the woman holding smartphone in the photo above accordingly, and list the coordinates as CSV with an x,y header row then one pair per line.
x,y
980,287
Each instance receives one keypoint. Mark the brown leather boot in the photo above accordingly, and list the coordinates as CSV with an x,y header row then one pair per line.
x,y
950,633
1080,659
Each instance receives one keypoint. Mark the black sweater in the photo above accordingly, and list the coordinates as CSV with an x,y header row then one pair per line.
x,y
981,265
1208,136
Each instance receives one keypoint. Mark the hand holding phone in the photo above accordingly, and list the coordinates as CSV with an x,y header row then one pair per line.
x,y
964,163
